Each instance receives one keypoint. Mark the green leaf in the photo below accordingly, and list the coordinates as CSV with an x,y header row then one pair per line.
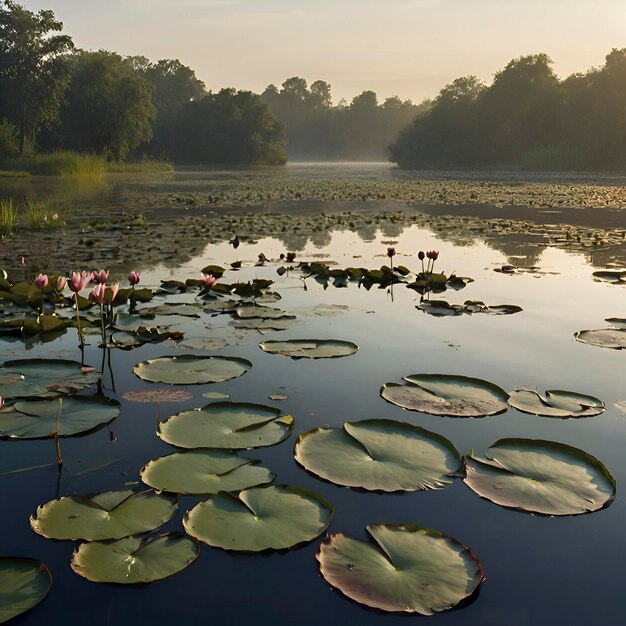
x,y
442,394
543,477
310,348
380,455
555,403
190,369
263,518
24,583
232,425
134,559
200,471
110,515
405,568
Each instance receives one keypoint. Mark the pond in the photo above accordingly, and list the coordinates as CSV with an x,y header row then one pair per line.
x,y
538,568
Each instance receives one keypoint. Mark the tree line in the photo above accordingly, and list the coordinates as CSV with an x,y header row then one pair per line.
x,y
526,118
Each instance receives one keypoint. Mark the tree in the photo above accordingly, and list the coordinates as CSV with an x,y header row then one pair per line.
x,y
110,106
34,68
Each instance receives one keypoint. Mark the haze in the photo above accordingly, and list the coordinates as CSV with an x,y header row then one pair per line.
x,y
409,48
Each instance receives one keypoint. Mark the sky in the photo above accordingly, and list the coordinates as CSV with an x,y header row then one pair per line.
x,y
408,48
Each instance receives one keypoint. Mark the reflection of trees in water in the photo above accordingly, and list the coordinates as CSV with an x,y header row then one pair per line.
x,y
518,249
368,232
392,228
294,242
321,238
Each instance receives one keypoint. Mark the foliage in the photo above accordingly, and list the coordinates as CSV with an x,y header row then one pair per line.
x,y
63,163
8,216
9,141
34,68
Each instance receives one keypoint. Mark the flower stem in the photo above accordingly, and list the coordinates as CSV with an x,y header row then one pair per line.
x,y
56,434
80,332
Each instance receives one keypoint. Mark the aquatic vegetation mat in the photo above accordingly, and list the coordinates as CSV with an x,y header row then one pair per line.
x,y
379,455
259,519
404,568
543,477
441,394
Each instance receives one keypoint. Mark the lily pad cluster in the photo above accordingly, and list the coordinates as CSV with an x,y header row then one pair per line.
x,y
441,308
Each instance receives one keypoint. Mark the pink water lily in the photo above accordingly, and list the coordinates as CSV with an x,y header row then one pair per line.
x,y
97,293
114,289
101,276
391,252
41,280
61,282
133,278
77,282
208,281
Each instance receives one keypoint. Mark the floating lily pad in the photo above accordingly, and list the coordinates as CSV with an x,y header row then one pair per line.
x,y
440,308
204,472
543,477
110,515
24,583
614,338
310,348
408,569
24,378
555,403
263,518
380,455
442,394
32,419
190,369
134,559
231,425
262,312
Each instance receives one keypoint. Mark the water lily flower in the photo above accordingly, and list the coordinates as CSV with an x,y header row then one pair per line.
x,y
421,255
208,281
97,293
433,254
133,278
391,252
61,282
41,280
77,282
101,276
114,289
1,402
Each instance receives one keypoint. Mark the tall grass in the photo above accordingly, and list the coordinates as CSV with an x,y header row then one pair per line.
x,y
39,214
140,167
14,174
64,163
8,216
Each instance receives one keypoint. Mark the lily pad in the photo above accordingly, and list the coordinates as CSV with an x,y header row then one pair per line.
x,y
24,583
405,568
134,559
310,348
543,477
33,419
190,369
442,394
110,515
614,338
24,378
261,312
382,455
263,518
555,403
231,425
204,472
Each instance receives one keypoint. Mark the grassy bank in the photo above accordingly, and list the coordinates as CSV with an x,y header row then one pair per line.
x,y
28,215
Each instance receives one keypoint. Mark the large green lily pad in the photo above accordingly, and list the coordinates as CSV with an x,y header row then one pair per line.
x,y
405,568
380,455
443,394
543,477
231,425
204,472
25,378
189,369
24,583
110,515
555,403
33,419
134,559
614,338
263,518
310,348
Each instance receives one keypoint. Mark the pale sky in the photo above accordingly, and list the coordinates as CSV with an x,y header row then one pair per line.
x,y
409,48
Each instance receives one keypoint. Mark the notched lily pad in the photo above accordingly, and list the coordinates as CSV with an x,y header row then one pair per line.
x,y
259,519
110,515
405,568
199,472
555,403
442,394
542,477
379,455
134,560
310,348
229,425
24,583
190,369
614,338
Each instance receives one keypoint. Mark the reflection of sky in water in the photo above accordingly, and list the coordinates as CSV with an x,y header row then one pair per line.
x,y
539,570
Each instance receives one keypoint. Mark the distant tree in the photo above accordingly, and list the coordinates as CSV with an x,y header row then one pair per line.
x,y
9,141
110,106
320,96
34,68
229,127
